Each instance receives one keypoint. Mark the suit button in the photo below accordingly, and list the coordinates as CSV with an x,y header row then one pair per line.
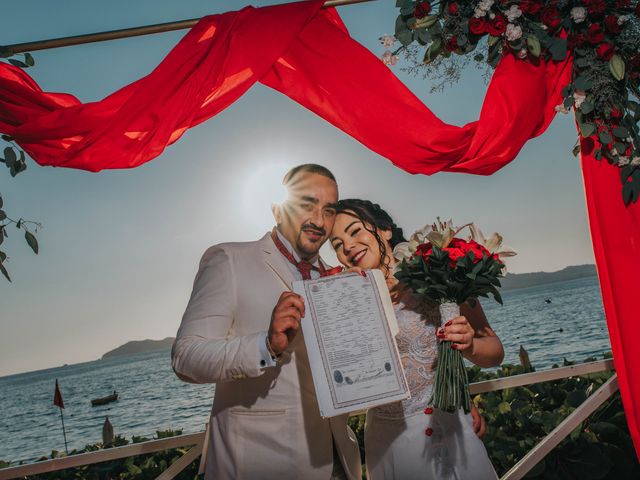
x,y
263,363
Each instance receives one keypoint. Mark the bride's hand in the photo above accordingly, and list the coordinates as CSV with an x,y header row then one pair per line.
x,y
458,331
357,270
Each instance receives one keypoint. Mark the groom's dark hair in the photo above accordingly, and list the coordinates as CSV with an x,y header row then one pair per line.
x,y
307,168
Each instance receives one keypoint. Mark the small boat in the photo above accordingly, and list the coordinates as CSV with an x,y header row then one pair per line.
x,y
548,300
104,400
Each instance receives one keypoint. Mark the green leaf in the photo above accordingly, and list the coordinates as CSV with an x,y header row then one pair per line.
x,y
31,240
586,107
533,45
4,272
434,49
427,21
621,132
616,66
558,49
17,63
605,138
1,203
423,36
583,83
2,215
504,407
29,59
576,150
493,40
9,156
587,129
3,256
405,37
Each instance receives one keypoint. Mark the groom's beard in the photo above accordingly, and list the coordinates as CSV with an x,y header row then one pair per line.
x,y
305,245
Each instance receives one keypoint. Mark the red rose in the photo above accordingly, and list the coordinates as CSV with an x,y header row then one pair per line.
x,y
531,7
595,35
576,40
497,26
615,113
422,10
424,250
605,51
453,8
595,7
454,255
551,17
611,24
452,44
477,26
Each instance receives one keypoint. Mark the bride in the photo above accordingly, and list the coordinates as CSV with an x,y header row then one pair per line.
x,y
409,439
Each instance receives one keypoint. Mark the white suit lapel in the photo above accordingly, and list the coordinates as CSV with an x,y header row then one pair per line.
x,y
276,262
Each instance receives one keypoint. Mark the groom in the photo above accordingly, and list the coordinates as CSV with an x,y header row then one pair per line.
x,y
241,331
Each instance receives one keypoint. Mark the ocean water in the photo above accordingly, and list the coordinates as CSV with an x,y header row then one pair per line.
x,y
152,398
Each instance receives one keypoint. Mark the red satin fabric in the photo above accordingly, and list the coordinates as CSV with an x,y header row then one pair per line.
x,y
615,234
307,54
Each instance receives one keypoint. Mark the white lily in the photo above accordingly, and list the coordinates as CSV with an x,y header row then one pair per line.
x,y
493,243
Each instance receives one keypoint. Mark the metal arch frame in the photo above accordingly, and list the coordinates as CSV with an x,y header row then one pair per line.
x,y
9,50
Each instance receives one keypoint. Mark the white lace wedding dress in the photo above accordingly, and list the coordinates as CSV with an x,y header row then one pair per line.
x,y
404,440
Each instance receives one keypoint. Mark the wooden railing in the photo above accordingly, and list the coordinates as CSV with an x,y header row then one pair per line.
x,y
197,440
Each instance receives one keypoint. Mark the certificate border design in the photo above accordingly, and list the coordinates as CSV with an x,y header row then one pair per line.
x,y
403,387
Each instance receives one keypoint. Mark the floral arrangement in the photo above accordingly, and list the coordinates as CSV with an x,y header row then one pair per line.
x,y
603,36
450,271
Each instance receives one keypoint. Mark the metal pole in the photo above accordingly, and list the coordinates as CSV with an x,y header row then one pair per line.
x,y
64,432
8,50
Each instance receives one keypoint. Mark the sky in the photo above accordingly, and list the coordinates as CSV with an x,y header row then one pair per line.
x,y
119,249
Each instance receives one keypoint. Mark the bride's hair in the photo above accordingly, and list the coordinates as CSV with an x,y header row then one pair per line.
x,y
373,218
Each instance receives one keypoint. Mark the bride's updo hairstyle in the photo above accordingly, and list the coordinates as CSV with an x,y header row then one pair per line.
x,y
373,217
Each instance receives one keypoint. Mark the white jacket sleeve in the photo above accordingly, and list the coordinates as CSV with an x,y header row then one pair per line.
x,y
206,349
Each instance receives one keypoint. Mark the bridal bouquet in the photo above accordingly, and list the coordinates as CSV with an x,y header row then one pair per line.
x,y
449,271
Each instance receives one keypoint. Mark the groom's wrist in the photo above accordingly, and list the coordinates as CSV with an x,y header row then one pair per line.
x,y
274,356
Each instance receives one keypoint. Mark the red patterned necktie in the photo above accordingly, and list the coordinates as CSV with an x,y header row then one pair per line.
x,y
303,266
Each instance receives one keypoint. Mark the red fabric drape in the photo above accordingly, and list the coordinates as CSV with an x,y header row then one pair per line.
x,y
615,234
307,54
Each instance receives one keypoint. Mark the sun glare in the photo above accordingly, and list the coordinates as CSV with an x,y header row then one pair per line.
x,y
262,189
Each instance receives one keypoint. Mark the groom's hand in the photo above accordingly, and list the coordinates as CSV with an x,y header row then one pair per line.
x,y
285,321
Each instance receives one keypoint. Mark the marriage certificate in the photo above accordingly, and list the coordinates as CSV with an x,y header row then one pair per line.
x,y
349,330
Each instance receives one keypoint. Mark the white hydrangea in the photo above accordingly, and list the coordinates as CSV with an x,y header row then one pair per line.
x,y
623,161
482,8
513,12
485,4
579,14
514,32
635,161
389,58
387,40
561,108
622,19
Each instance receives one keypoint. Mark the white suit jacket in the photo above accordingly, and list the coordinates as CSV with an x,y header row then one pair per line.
x,y
265,422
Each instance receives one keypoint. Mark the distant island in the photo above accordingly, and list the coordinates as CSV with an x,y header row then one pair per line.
x,y
140,346
510,282
524,280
